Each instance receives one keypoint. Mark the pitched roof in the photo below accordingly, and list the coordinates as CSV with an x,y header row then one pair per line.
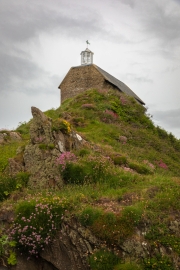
x,y
120,85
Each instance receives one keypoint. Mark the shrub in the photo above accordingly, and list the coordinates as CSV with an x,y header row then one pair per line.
x,y
22,178
103,260
89,215
7,250
132,214
159,262
75,173
92,169
36,223
112,228
140,168
119,160
7,185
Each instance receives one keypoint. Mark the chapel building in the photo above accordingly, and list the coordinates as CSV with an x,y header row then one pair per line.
x,y
89,76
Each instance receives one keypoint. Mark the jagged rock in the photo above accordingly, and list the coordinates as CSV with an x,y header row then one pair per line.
x,y
71,247
40,129
45,147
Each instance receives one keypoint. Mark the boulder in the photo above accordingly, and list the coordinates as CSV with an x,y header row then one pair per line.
x,y
15,136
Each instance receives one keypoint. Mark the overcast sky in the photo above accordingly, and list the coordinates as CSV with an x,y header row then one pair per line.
x,y
137,41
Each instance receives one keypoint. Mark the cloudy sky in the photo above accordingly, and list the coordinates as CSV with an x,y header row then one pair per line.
x,y
137,41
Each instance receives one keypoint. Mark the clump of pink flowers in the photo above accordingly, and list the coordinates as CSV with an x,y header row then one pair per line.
x,y
31,235
162,165
64,158
123,100
150,165
111,113
36,225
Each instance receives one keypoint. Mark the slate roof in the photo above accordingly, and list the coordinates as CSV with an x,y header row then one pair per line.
x,y
120,85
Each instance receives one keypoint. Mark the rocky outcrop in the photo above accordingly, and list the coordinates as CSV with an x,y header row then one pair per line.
x,y
7,135
68,251
39,156
71,247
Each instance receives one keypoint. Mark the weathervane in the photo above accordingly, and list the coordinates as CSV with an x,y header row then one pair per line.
x,y
87,42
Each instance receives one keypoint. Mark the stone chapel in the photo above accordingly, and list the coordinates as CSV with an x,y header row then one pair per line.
x,y
89,76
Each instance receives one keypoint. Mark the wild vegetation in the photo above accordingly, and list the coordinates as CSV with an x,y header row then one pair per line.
x,y
124,179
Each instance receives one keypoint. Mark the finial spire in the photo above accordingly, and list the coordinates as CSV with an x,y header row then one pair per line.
x,y
87,42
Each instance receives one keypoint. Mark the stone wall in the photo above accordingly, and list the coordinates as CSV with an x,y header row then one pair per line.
x,y
82,78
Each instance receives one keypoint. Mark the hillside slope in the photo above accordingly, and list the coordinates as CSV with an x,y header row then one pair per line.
x,y
119,205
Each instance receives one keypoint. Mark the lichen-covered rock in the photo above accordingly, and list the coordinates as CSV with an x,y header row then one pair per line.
x,y
41,164
40,128
45,146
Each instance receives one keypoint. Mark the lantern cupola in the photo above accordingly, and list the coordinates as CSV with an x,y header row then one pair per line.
x,y
86,57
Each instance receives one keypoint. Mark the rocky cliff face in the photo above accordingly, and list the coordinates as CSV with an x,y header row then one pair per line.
x,y
68,251
39,156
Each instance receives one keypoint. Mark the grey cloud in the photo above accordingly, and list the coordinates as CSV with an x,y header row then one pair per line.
x,y
21,21
170,118
15,73
160,22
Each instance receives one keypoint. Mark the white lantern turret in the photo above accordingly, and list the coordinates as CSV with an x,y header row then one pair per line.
x,y
86,57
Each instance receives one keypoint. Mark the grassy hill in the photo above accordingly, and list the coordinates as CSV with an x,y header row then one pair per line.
x,y
124,180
